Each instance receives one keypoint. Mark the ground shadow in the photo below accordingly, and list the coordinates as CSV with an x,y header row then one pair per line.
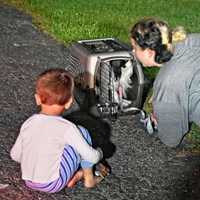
x,y
187,185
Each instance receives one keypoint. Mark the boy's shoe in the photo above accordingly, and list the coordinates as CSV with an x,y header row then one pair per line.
x,y
102,170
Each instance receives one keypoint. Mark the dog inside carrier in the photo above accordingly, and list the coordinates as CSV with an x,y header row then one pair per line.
x,y
107,77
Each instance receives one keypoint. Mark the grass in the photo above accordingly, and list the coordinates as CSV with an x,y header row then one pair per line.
x,y
69,21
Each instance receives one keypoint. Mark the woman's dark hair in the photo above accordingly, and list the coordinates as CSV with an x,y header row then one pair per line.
x,y
153,34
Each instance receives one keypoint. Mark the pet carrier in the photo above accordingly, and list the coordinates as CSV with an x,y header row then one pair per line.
x,y
108,78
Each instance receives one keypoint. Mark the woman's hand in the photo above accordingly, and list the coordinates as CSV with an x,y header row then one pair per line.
x,y
154,119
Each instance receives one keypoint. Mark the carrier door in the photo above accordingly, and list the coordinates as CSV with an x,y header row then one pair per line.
x,y
104,82
119,83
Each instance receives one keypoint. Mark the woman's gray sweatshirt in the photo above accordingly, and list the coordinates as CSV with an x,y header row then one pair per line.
x,y
176,95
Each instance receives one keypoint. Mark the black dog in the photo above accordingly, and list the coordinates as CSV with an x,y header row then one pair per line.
x,y
99,130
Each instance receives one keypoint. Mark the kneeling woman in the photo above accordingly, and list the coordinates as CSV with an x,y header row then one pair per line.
x,y
176,93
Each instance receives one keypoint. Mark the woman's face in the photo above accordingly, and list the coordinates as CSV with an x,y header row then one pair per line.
x,y
145,56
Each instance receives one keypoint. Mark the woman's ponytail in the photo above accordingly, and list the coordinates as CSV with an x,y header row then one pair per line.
x,y
178,34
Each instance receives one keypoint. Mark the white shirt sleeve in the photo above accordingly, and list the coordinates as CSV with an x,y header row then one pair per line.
x,y
16,150
77,141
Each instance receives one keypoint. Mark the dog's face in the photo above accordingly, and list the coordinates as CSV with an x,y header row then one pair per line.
x,y
123,70
117,67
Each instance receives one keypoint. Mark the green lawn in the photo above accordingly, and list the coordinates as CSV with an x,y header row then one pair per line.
x,y
84,19
69,21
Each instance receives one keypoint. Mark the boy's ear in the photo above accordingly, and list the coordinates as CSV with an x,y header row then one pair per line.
x,y
69,103
37,99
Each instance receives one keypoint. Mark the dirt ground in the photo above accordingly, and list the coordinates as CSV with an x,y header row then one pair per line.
x,y
142,167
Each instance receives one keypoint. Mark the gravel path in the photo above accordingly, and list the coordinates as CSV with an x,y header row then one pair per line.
x,y
142,167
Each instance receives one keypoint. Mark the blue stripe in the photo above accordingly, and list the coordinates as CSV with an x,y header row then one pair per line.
x,y
63,167
67,164
63,174
54,186
71,159
85,133
43,187
68,153
75,154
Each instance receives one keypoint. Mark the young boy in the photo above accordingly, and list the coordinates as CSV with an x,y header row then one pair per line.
x,y
54,152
